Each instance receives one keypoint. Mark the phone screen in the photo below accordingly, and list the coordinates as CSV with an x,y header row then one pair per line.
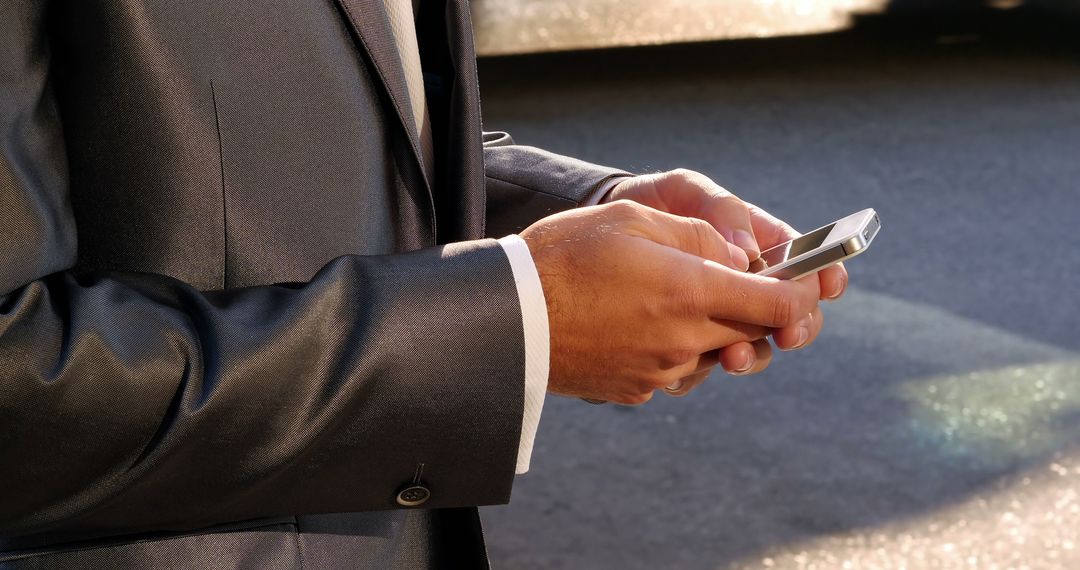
x,y
794,248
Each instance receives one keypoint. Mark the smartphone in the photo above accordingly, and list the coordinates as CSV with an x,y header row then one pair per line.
x,y
843,239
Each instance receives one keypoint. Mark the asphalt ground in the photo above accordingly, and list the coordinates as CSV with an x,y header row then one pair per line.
x,y
936,421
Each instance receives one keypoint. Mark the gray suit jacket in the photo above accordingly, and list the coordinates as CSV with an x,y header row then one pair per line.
x,y
234,316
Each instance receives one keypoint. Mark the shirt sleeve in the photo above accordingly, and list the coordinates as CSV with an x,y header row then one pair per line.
x,y
534,320
602,191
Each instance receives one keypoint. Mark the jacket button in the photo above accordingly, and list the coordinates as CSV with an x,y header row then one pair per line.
x,y
413,496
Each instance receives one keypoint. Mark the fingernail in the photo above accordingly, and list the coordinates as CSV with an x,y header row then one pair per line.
x,y
740,259
745,240
804,333
803,326
839,290
675,387
747,364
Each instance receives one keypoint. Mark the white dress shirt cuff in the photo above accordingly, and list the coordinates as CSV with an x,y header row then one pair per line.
x,y
534,321
604,188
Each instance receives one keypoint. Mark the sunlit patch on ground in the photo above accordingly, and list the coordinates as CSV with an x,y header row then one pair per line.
x,y
1013,413
1029,522
991,420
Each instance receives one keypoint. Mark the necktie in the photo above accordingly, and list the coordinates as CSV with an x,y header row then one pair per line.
x,y
403,24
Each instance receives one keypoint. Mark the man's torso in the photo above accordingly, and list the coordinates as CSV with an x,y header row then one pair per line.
x,y
229,144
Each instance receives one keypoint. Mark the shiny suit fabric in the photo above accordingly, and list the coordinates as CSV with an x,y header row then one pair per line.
x,y
235,315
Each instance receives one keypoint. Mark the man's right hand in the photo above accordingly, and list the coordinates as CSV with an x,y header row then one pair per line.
x,y
639,299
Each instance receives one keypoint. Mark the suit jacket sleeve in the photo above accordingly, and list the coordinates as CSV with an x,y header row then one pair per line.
x,y
133,402
525,183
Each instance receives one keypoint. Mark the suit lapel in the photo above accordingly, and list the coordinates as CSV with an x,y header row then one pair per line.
x,y
447,33
371,24
463,210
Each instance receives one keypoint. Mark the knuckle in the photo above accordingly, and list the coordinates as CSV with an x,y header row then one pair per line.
x,y
687,177
682,173
655,379
661,379
807,302
688,298
679,355
729,194
783,308
693,224
727,198
695,234
729,203
702,230
733,205
710,242
625,208
684,346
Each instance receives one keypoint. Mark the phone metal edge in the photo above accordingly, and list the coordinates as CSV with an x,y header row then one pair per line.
x,y
849,248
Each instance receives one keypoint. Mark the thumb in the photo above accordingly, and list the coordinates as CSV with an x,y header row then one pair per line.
x,y
693,194
727,212
694,236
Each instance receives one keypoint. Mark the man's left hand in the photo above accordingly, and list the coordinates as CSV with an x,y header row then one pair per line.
x,y
691,194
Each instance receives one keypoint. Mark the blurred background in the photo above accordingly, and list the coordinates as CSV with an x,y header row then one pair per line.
x,y
936,421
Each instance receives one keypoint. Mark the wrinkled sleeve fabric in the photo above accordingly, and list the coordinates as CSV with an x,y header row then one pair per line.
x,y
134,402
526,183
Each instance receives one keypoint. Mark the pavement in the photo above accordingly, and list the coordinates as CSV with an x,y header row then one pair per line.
x,y
936,421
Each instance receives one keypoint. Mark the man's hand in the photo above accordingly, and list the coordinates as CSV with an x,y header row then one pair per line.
x,y
639,299
687,193
693,195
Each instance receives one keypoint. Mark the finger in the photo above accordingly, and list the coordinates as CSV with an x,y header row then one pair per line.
x,y
833,282
762,356
635,399
740,259
718,333
733,358
670,374
706,340
801,334
690,235
769,230
687,384
753,299
738,358
701,197
707,361
702,363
